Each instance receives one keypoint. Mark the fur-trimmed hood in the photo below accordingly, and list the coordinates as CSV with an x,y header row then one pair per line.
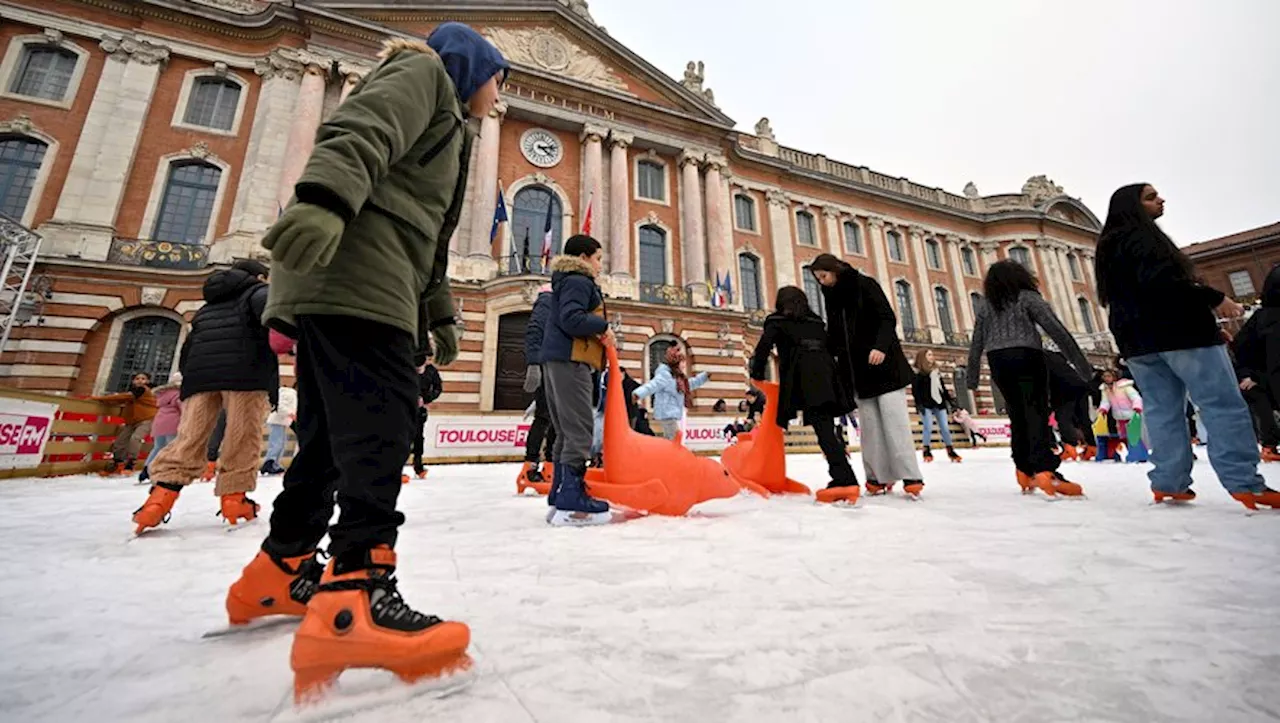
x,y
572,265
394,45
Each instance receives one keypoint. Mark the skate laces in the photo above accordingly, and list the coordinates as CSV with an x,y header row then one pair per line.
x,y
307,581
385,604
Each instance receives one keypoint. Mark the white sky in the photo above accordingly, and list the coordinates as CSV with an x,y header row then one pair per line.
x,y
1183,94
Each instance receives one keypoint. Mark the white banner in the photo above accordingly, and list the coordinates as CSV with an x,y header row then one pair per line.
x,y
24,429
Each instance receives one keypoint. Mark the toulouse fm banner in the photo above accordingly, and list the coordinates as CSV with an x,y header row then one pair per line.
x,y
24,429
492,435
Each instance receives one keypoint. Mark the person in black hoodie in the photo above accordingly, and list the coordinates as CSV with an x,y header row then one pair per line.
x,y
861,334
541,431
1163,319
808,383
226,364
1257,351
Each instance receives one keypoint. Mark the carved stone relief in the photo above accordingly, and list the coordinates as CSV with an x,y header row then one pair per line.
x,y
549,50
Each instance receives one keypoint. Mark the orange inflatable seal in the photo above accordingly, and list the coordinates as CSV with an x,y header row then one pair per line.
x,y
759,459
650,473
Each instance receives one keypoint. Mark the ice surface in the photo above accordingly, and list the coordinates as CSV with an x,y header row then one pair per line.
x,y
977,604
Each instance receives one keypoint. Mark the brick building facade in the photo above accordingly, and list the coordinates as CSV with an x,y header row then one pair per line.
x,y
1238,264
149,142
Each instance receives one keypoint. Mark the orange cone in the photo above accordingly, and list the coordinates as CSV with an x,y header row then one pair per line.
x,y
759,460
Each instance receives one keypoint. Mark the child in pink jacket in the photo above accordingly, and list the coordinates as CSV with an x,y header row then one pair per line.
x,y
164,428
1120,400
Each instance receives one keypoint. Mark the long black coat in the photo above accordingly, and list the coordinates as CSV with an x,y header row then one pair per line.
x,y
860,319
807,376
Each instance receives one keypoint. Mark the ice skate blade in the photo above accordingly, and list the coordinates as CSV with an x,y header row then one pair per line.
x,y
565,518
322,698
253,626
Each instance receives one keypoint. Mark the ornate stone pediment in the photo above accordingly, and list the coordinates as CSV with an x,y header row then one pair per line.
x,y
243,7
547,49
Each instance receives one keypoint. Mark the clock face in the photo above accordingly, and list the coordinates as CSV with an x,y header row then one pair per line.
x,y
541,148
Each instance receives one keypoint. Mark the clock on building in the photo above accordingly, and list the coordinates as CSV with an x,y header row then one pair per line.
x,y
541,147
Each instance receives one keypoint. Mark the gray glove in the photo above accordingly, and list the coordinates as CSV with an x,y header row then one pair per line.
x,y
446,344
532,378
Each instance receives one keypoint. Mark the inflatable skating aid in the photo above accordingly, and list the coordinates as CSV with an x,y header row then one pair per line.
x,y
759,460
649,473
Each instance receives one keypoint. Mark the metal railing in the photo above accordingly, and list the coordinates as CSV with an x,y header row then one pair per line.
x,y
955,338
522,265
664,294
158,254
917,336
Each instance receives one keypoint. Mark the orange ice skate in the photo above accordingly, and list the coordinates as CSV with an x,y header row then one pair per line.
x,y
210,471
357,619
155,511
1173,496
1090,453
1267,498
236,507
912,488
421,474
271,585
1069,453
875,489
1046,482
533,478
1066,487
1025,483
840,493
404,479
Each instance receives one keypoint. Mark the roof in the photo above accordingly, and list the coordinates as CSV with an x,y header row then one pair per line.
x,y
1235,239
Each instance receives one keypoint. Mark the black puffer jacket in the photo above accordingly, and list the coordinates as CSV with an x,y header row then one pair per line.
x,y
860,319
227,348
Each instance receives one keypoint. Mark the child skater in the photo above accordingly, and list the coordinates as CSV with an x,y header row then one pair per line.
x,y
961,417
1121,401
1008,330
164,426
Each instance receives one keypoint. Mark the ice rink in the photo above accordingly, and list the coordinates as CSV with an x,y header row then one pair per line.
x,y
975,604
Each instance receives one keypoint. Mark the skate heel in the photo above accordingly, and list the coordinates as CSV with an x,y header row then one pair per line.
x,y
236,507
311,685
1046,482
441,665
1025,483
912,488
1267,498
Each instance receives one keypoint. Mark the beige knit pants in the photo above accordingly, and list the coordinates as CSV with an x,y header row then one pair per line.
x,y
182,461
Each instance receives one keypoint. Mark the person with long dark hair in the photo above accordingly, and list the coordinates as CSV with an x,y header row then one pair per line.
x,y
1008,330
808,383
932,402
862,336
1165,321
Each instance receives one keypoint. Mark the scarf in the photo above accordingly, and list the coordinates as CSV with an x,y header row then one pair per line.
x,y
935,386
675,360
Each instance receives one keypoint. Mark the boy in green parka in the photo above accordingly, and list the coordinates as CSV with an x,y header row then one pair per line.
x,y
359,279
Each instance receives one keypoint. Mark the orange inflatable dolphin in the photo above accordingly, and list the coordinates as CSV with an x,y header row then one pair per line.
x,y
650,473
759,458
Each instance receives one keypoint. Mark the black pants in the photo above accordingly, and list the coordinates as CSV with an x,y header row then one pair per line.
x,y
541,431
419,439
1264,418
833,448
215,441
1069,400
1023,378
357,391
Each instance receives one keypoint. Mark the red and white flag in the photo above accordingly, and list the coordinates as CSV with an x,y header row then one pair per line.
x,y
586,218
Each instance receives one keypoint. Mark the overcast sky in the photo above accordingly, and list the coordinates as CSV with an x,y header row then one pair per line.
x,y
1183,94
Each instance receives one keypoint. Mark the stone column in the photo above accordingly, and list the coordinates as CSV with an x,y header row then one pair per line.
x,y
256,206
964,315
351,75
1052,278
1102,320
879,253
784,256
592,188
302,133
835,245
1068,287
987,254
929,312
719,230
485,199
620,203
694,243
84,221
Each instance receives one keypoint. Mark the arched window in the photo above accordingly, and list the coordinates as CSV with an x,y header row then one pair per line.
x,y
1021,254
1075,267
1086,313
893,240
744,212
933,253
44,71
906,309
942,299
813,290
508,383
20,159
852,238
975,302
531,210
749,276
147,344
653,255
806,232
187,204
970,265
651,180
212,103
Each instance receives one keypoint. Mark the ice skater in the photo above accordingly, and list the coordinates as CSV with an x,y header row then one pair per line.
x,y
672,391
139,404
932,400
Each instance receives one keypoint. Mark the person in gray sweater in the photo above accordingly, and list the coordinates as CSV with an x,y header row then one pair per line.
x,y
1008,330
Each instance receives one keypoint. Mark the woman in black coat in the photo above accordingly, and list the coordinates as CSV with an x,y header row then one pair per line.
x,y
862,335
807,383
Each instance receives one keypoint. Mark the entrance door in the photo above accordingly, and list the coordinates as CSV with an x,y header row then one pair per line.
x,y
508,387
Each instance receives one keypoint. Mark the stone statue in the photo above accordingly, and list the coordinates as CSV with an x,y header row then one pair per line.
x,y
1040,188
693,76
971,190
711,97
579,7
763,130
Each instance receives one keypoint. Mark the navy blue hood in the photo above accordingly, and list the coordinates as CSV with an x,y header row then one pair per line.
x,y
468,58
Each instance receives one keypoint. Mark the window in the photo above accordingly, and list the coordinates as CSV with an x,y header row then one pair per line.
x,y
805,231
893,240
975,303
1021,254
147,344
1075,267
20,159
212,103
651,180
749,275
852,238
187,203
933,253
906,310
1241,283
967,260
813,290
942,300
744,212
1086,313
44,71
653,255
532,210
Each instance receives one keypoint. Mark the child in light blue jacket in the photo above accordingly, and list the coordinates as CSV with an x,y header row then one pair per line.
x,y
672,392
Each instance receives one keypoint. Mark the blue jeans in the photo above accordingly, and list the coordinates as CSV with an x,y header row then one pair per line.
x,y
158,443
1166,378
927,416
276,436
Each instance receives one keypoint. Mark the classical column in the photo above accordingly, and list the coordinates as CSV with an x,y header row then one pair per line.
x,y
84,221
784,256
306,118
987,254
1068,286
461,237
486,190
963,313
1102,320
719,230
1052,277
592,192
835,245
879,252
694,243
352,74
620,203
929,312
256,206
